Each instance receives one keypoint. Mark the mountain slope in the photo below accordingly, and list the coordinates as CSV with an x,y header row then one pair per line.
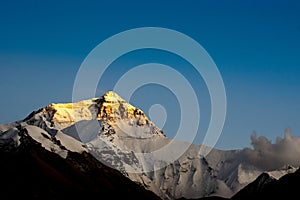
x,y
266,187
29,170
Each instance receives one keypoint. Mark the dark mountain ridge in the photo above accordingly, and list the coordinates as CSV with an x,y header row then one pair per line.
x,y
29,171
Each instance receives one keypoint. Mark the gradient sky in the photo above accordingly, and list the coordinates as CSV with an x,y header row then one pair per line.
x,y
255,45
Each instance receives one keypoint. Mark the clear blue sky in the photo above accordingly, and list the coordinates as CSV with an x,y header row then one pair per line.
x,y
255,44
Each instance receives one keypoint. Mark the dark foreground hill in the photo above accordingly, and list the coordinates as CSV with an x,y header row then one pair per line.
x,y
266,187
29,171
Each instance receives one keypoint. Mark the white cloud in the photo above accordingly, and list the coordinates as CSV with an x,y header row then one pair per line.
x,y
269,156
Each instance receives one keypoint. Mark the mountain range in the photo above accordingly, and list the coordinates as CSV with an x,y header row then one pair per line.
x,y
106,146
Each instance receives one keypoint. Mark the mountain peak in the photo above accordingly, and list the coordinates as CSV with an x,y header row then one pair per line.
x,y
110,108
112,96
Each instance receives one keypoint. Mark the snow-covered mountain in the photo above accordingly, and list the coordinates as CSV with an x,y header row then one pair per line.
x,y
122,137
